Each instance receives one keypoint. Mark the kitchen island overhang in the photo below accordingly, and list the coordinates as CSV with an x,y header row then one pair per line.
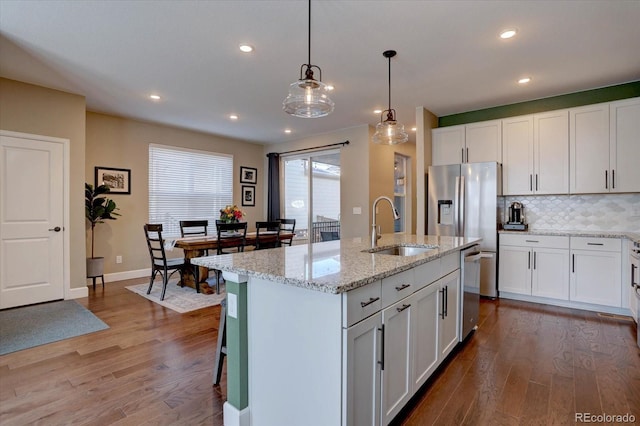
x,y
287,318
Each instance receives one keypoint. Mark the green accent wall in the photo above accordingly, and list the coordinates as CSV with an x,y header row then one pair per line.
x,y
237,350
588,97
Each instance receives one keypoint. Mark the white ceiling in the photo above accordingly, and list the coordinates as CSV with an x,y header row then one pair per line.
x,y
450,58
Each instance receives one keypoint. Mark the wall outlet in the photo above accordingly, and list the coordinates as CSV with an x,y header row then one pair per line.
x,y
118,259
357,210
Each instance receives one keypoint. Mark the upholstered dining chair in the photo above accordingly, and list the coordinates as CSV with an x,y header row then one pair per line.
x,y
287,226
232,238
159,262
271,227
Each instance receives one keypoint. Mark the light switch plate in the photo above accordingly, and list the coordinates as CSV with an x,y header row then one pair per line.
x,y
232,305
357,210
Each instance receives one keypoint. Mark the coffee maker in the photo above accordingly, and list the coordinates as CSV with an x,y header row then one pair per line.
x,y
516,217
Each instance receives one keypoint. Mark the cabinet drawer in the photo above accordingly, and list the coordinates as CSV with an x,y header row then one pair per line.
x,y
426,273
360,303
449,263
600,244
549,241
397,287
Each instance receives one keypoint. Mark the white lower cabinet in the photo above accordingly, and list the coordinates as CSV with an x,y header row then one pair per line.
x,y
534,265
448,332
596,271
426,311
361,372
391,353
397,323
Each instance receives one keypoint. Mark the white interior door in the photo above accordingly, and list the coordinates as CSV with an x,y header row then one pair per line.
x,y
31,220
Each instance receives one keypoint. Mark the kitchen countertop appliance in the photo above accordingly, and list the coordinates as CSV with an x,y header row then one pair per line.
x,y
516,218
463,201
634,257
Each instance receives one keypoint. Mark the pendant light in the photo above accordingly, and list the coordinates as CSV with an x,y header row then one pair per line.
x,y
308,97
389,131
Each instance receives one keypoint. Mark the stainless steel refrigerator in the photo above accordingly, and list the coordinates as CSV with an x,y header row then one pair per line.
x,y
463,201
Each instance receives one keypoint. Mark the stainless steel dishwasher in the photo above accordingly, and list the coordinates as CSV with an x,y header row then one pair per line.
x,y
470,278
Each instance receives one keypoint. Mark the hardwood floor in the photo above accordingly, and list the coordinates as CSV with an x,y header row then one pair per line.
x,y
526,364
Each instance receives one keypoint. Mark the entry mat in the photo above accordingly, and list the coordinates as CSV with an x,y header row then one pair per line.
x,y
35,325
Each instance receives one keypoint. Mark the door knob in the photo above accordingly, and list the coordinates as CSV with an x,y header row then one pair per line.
x,y
56,229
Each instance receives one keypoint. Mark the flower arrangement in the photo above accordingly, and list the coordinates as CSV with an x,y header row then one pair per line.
x,y
231,214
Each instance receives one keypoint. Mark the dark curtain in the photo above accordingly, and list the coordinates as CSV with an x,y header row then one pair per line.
x,y
273,187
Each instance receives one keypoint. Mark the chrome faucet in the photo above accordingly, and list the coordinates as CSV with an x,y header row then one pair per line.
x,y
375,230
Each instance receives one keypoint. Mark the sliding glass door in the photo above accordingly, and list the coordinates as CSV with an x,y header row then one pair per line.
x,y
312,194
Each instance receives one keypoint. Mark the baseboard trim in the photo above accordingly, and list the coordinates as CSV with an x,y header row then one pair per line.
x,y
231,416
77,293
119,276
566,304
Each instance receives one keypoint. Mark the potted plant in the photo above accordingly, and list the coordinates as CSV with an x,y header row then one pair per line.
x,y
97,209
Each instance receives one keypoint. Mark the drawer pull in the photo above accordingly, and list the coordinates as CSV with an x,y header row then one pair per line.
x,y
370,301
402,287
595,244
403,307
532,241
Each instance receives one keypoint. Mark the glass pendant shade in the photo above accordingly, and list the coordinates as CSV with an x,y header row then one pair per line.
x,y
390,132
308,98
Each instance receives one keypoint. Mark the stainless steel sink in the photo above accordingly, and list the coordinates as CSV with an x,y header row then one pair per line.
x,y
403,250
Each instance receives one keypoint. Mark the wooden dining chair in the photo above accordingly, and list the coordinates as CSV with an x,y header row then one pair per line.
x,y
221,347
159,262
192,228
273,229
232,238
287,226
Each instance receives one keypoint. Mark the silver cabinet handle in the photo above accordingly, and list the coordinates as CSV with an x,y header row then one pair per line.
x,y
606,179
56,229
402,287
595,244
532,241
529,261
370,301
534,260
403,307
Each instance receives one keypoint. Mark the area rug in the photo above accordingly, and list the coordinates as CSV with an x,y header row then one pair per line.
x,y
35,325
179,299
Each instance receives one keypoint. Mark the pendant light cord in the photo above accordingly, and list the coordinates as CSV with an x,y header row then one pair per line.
x,y
389,83
309,47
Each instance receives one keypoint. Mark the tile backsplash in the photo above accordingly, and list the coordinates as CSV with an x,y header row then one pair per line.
x,y
598,212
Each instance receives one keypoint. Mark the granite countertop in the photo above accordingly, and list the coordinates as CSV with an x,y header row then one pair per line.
x,y
633,236
333,266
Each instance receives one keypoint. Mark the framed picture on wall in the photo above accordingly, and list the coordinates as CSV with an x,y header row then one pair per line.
x,y
248,175
118,180
248,195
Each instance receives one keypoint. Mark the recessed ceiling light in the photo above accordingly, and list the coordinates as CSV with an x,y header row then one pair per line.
x,y
246,48
154,97
413,129
233,117
505,34
524,80
377,111
329,87
287,130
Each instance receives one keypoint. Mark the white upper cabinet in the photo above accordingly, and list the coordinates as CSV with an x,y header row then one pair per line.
x,y
605,147
589,143
471,143
625,145
536,154
483,142
551,152
448,145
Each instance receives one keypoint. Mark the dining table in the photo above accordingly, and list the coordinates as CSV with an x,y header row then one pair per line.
x,y
197,246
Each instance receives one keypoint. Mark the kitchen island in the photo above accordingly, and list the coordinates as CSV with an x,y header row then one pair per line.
x,y
332,334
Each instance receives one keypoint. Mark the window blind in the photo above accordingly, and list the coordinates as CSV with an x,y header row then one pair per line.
x,y
187,185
